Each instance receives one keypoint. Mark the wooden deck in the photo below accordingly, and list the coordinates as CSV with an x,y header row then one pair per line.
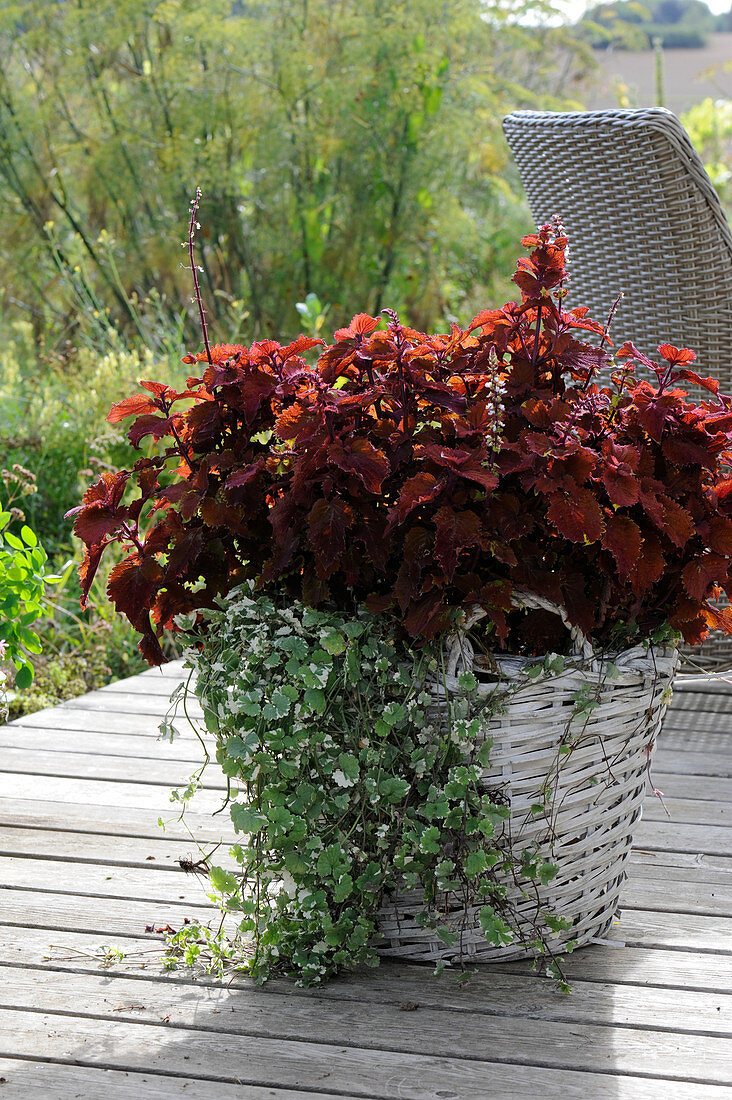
x,y
85,867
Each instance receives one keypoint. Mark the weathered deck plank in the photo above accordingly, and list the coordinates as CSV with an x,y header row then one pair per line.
x,y
81,788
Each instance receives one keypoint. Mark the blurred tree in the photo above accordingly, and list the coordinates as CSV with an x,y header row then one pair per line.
x,y
346,148
630,25
709,125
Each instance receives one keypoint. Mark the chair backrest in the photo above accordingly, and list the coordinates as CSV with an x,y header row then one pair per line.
x,y
642,218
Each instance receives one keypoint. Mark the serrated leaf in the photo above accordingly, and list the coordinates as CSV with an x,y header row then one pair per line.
x,y
223,881
622,538
547,871
474,863
577,516
246,819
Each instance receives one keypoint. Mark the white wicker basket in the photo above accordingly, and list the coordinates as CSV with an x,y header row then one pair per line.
x,y
597,788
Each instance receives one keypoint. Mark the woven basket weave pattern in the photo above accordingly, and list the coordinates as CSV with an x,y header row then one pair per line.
x,y
642,218
597,789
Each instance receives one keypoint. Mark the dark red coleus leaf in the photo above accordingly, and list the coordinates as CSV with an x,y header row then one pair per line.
x,y
88,569
97,522
418,548
156,426
622,538
472,465
621,485
204,424
328,522
299,347
576,515
720,535
719,617
244,475
650,565
361,325
701,574
132,587
363,459
686,452
670,517
427,616
456,531
676,356
417,490
220,353
99,517
136,405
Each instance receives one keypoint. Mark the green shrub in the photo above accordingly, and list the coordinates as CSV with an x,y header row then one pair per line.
x,y
52,420
709,125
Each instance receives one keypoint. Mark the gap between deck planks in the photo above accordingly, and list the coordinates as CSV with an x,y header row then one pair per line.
x,y
648,1018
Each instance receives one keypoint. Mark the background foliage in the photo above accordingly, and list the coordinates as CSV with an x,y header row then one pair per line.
x,y
350,149
632,25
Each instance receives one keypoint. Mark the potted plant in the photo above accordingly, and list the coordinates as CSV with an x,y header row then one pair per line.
x,y
433,586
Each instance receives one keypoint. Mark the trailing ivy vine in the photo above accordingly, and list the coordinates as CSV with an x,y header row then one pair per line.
x,y
348,781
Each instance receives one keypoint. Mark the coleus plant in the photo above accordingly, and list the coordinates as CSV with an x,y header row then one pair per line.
x,y
419,474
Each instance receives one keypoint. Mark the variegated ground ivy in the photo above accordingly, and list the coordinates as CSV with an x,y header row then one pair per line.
x,y
345,784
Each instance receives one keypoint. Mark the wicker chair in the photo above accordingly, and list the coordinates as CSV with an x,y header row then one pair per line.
x,y
642,218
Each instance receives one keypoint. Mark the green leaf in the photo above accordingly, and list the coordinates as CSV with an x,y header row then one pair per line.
x,y
24,676
242,747
334,643
483,755
467,681
343,888
246,819
393,789
557,924
222,881
547,871
295,864
349,766
314,699
281,703
28,536
448,938
329,861
30,640
14,541
475,862
429,841
211,719
554,662
494,929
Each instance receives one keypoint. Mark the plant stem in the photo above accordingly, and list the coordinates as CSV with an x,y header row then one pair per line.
x,y
199,303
